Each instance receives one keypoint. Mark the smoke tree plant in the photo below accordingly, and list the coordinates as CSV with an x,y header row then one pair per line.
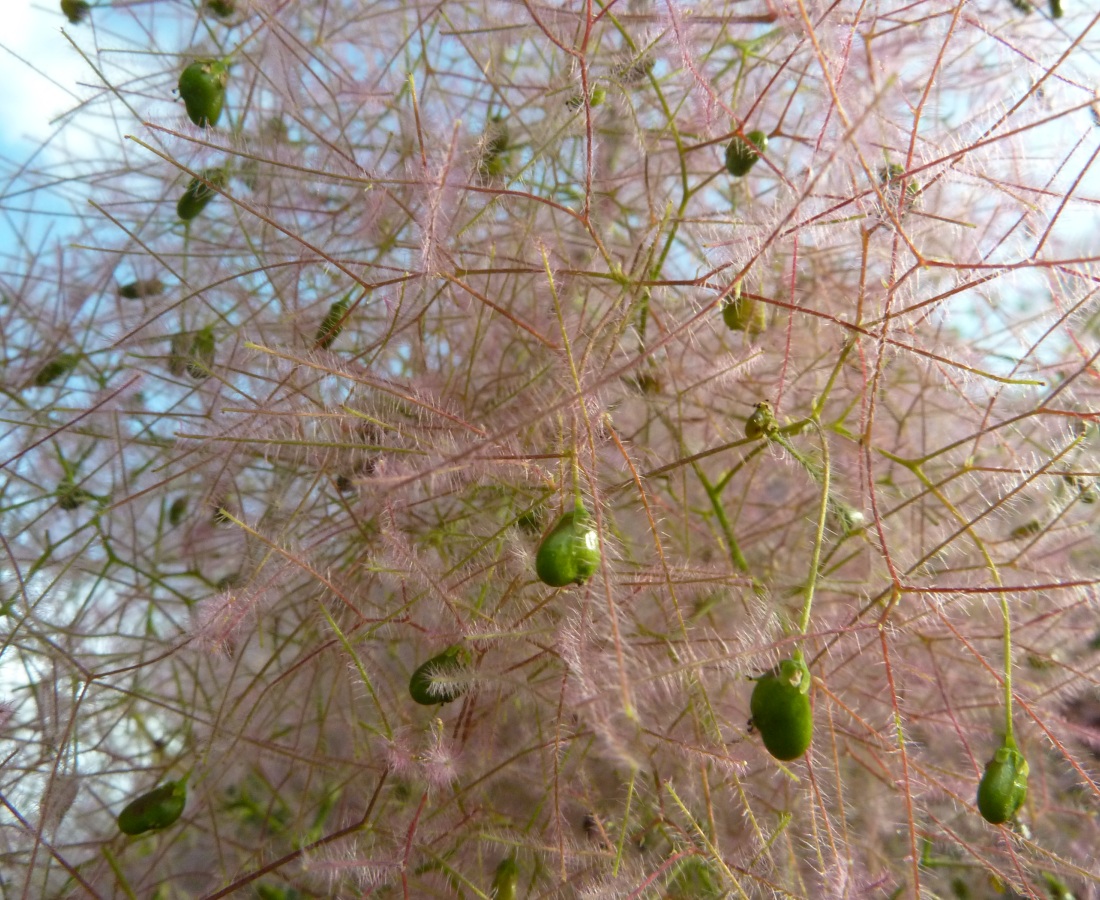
x,y
463,264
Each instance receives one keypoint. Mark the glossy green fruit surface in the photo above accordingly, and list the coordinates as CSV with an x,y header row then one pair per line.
x,y
1003,787
428,685
198,194
781,709
157,809
742,154
202,89
570,553
505,880
223,9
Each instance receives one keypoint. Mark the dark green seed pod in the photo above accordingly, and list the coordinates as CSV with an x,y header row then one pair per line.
x,y
76,11
570,553
743,153
694,880
202,354
494,158
745,314
223,9
202,89
199,193
157,809
781,709
177,353
1056,9
136,290
56,368
428,685
762,421
333,323
505,880
70,496
1003,787
177,511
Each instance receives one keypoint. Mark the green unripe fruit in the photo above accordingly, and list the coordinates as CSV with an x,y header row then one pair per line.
x,y
1003,787
762,421
157,809
333,323
75,10
177,511
506,880
425,685
781,709
202,89
694,880
136,290
570,553
202,354
743,153
745,314
198,194
55,368
223,9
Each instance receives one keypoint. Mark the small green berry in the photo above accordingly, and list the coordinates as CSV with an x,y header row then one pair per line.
x,y
762,421
202,89
199,193
570,553
75,10
60,365
505,880
1003,787
157,809
424,686
743,153
781,709
136,290
333,323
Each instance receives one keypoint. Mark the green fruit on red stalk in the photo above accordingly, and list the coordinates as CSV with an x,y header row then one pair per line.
x,y
781,710
428,685
199,193
202,89
333,323
505,880
570,553
744,152
1003,787
157,809
75,10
